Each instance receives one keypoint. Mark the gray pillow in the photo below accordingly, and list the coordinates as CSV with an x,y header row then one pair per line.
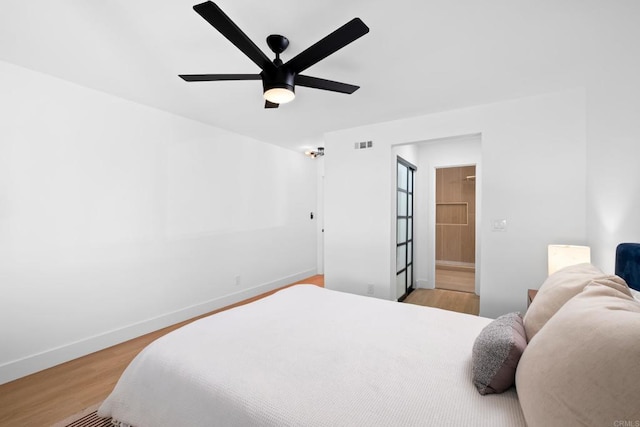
x,y
496,353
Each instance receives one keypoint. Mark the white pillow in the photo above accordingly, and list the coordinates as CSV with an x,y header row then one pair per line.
x,y
559,288
635,294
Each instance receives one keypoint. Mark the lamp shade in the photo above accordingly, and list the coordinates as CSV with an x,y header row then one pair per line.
x,y
561,256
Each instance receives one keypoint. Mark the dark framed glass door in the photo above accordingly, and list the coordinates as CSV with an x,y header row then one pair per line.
x,y
404,228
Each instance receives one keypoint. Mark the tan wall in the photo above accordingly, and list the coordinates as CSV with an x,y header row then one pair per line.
x,y
456,214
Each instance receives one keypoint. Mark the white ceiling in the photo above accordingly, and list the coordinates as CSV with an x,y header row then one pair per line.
x,y
419,57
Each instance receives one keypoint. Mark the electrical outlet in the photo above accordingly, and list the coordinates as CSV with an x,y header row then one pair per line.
x,y
238,280
370,289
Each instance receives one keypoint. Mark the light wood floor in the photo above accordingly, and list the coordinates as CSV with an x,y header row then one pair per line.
x,y
462,302
55,394
455,280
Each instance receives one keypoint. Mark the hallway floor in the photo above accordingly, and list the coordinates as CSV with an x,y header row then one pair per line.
x,y
455,280
462,302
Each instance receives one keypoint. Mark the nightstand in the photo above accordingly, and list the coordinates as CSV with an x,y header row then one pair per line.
x,y
531,294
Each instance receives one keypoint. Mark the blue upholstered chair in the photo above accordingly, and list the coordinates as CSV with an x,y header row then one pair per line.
x,y
628,263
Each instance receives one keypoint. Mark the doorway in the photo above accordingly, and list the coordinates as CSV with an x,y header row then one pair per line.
x,y
455,228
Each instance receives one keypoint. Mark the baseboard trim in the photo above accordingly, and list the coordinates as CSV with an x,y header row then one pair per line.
x,y
423,284
19,368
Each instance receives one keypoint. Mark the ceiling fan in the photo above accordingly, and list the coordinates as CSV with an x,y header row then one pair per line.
x,y
279,79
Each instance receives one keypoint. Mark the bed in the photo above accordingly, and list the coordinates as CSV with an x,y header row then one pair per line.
x,y
309,356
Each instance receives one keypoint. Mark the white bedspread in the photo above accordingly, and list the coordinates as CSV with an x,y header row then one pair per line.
x,y
308,356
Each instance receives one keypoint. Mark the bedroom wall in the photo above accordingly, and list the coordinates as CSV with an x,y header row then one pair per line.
x,y
320,213
117,219
613,142
533,173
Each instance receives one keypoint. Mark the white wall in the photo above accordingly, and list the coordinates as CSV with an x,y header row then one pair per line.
x,y
357,215
613,150
456,151
533,173
319,214
117,219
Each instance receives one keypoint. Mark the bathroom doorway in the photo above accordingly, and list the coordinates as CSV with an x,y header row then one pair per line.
x,y
456,228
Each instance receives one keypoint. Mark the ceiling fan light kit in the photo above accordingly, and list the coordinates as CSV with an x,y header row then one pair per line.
x,y
279,95
313,154
279,79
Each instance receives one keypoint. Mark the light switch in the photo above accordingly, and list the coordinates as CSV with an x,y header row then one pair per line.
x,y
498,225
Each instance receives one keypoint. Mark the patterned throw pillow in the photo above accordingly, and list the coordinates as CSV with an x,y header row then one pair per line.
x,y
496,353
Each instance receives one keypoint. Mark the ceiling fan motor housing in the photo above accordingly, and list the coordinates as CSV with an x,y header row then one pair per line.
x,y
281,77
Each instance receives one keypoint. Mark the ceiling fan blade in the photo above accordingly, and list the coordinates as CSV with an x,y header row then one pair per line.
x,y
316,83
218,77
335,41
269,104
221,22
